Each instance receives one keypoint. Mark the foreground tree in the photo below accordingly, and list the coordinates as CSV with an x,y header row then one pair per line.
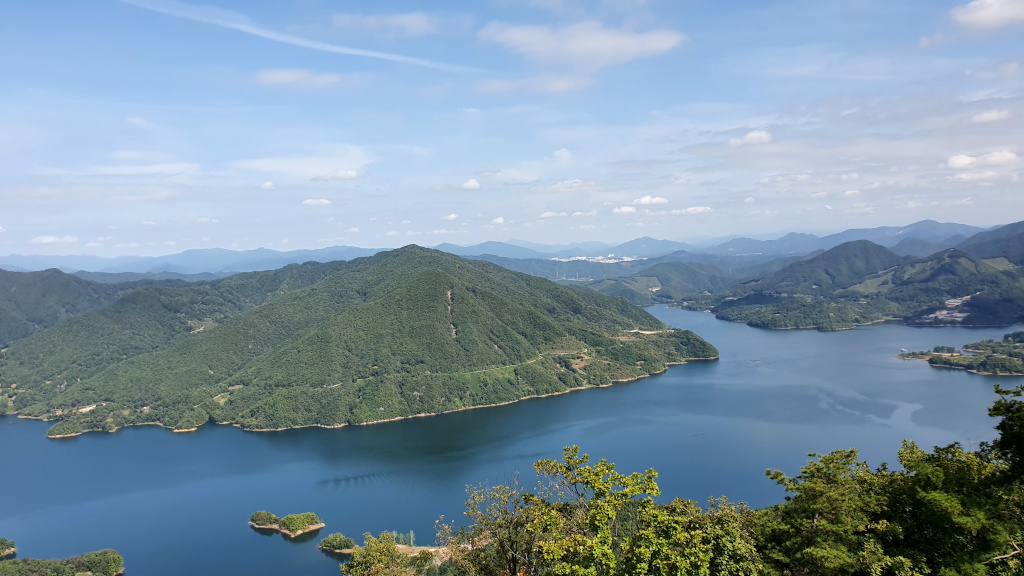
x,y
377,557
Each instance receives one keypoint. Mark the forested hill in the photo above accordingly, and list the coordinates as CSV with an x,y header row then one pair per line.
x,y
840,267
666,282
34,301
405,332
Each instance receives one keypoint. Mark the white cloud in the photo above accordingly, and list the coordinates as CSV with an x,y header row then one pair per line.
x,y
693,210
1,228
148,223
563,156
235,21
750,199
498,221
409,23
551,214
752,137
987,176
574,185
53,240
581,214
296,78
318,202
205,220
586,45
964,162
648,199
624,210
991,116
985,15
352,230
851,193
450,217
268,185
471,184
391,233
335,175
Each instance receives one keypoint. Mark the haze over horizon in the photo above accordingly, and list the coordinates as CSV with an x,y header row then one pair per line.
x,y
155,126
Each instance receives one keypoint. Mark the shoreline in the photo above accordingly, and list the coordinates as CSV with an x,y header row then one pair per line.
x,y
8,552
396,419
286,532
410,551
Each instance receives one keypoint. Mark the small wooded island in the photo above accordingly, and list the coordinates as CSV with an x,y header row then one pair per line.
x,y
291,525
7,547
988,357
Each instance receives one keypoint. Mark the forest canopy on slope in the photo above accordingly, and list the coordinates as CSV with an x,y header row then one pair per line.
x,y
405,332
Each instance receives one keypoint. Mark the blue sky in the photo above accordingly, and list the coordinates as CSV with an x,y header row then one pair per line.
x,y
155,126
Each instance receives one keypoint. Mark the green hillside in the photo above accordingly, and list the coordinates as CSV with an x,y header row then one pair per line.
x,y
666,282
34,301
840,267
404,332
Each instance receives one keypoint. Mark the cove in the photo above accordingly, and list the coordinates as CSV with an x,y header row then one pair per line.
x,y
178,503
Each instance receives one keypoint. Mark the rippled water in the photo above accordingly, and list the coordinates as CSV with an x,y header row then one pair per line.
x,y
178,503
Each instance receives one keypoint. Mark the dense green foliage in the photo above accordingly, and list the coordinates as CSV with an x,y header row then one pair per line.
x,y
34,301
337,541
376,557
298,522
946,512
6,544
264,518
101,563
802,311
665,283
402,333
987,357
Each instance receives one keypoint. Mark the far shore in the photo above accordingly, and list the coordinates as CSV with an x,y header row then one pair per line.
x,y
421,415
8,552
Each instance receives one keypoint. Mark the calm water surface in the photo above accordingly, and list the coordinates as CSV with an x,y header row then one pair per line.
x,y
177,504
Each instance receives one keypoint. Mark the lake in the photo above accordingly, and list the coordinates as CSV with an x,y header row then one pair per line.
x,y
178,503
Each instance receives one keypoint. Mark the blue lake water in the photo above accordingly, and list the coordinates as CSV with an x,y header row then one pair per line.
x,y
177,504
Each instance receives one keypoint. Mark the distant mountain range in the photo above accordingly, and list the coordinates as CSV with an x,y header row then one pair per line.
x,y
918,239
981,282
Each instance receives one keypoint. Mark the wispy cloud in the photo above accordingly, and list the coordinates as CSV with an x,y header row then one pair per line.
x,y
296,78
239,22
408,23
53,240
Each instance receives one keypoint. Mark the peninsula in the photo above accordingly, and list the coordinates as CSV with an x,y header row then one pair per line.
x,y
404,333
988,357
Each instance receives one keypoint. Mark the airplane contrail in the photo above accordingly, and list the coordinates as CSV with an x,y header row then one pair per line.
x,y
235,21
